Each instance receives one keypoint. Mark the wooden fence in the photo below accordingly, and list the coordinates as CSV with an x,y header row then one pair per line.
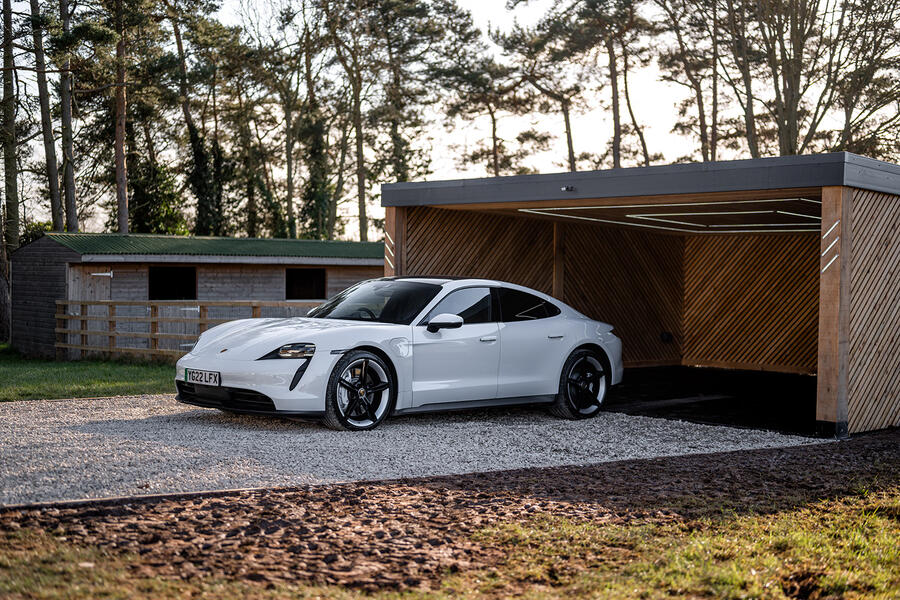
x,y
155,329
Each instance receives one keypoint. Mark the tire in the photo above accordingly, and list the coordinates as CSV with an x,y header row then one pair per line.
x,y
583,385
362,382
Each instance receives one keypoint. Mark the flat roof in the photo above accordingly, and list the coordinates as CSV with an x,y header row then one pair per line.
x,y
146,245
783,172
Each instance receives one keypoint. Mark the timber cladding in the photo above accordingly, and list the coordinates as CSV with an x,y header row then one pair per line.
x,y
746,301
632,280
466,244
873,380
752,302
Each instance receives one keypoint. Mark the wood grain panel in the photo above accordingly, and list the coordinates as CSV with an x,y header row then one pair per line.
x,y
470,244
751,301
874,321
632,280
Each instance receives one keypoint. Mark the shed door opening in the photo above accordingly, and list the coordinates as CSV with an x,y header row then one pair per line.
x,y
172,283
304,284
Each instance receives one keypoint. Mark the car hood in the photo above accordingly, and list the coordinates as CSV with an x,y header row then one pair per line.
x,y
249,339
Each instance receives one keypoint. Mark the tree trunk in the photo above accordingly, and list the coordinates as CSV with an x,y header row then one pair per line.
x,y
564,106
614,94
714,125
339,186
289,159
65,109
121,107
495,144
10,168
634,122
46,122
360,163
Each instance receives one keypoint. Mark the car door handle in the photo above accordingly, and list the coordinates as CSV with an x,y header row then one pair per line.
x,y
489,338
555,337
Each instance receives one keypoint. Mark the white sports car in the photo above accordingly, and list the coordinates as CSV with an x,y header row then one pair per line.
x,y
404,345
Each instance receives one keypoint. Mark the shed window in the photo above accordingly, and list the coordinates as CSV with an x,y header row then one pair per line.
x,y
304,284
173,283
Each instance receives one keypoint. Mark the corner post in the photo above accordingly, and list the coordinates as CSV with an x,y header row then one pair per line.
x,y
394,240
834,312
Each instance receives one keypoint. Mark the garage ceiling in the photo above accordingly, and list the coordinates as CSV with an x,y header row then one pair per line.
x,y
739,216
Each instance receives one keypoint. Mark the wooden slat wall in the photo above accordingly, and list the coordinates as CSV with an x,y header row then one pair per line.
x,y
38,281
470,244
631,279
874,330
752,302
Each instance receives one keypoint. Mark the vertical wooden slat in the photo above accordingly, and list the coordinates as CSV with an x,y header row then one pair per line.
x,y
834,278
111,325
61,338
84,326
255,310
154,327
204,314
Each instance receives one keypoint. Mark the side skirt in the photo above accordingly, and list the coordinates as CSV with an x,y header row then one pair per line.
x,y
493,402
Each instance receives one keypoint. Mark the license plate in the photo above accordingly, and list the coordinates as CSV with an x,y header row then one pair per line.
x,y
201,377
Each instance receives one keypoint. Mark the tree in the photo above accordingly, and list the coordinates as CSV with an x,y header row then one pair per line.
x,y
37,30
65,109
349,26
549,68
10,167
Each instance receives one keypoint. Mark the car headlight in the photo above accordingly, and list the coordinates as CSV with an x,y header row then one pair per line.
x,y
291,351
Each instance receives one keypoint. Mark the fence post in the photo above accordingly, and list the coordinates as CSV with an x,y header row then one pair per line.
x,y
84,327
61,323
154,328
111,327
255,310
204,315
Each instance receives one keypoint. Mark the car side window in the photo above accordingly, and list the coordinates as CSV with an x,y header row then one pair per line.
x,y
522,306
472,304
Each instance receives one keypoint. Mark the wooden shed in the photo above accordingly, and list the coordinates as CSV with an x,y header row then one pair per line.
x,y
87,293
776,264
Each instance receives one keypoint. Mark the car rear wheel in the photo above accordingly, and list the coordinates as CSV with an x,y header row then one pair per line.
x,y
583,385
361,392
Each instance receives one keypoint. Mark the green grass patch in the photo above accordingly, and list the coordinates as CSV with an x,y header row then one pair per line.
x,y
27,379
842,548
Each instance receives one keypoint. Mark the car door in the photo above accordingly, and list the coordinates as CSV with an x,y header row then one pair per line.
x,y
457,365
532,339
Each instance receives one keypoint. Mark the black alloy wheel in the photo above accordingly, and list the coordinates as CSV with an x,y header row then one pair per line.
x,y
583,385
361,392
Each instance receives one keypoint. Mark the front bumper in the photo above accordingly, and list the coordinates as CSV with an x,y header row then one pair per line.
x,y
234,400
258,386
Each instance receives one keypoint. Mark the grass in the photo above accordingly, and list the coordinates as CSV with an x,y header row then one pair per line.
x,y
27,379
841,548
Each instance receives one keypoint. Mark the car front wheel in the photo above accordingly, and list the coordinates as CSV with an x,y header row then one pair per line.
x,y
583,385
361,392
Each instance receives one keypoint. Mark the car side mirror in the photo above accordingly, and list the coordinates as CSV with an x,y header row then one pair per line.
x,y
444,321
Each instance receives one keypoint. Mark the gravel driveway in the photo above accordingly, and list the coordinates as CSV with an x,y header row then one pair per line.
x,y
71,449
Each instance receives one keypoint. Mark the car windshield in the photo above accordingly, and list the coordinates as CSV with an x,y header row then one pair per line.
x,y
380,301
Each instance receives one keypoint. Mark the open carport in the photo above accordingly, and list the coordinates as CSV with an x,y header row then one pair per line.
x,y
776,265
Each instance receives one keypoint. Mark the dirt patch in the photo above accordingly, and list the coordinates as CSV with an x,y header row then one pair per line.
x,y
410,533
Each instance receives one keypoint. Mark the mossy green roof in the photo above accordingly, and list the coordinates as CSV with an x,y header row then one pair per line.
x,y
114,243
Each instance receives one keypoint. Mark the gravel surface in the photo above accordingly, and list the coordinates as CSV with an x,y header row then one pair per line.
x,y
73,449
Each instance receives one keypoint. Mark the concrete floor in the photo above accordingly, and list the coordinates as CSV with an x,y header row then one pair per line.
x,y
779,402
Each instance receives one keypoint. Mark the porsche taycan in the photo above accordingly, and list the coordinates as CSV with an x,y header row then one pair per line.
x,y
400,345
